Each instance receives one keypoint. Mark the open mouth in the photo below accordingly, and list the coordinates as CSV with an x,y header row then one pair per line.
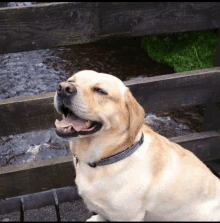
x,y
72,125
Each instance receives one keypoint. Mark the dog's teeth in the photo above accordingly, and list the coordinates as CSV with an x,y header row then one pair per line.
x,y
88,124
69,128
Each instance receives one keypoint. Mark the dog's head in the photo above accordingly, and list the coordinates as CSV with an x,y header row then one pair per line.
x,y
96,103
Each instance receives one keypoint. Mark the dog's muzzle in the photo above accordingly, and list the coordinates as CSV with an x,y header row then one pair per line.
x,y
72,125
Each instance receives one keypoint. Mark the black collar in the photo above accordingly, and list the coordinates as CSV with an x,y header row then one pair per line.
x,y
116,157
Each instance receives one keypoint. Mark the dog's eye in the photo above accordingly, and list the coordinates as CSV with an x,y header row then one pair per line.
x,y
99,90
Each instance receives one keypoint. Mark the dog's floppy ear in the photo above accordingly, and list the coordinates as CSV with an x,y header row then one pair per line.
x,y
136,115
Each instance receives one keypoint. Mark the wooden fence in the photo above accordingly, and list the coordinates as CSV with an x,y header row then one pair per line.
x,y
59,24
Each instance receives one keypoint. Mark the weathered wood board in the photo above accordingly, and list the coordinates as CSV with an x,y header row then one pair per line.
x,y
205,145
212,111
36,176
51,25
33,113
58,172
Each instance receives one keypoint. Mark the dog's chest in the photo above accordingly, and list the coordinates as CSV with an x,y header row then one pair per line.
x,y
109,194
94,192
95,188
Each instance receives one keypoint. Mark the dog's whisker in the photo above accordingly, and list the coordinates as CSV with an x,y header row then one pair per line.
x,y
51,110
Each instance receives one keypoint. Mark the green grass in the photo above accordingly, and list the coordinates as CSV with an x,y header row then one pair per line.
x,y
185,51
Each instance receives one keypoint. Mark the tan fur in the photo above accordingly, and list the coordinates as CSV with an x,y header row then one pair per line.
x,y
159,181
136,115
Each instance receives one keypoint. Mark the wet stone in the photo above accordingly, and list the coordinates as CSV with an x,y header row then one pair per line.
x,y
74,211
43,214
14,216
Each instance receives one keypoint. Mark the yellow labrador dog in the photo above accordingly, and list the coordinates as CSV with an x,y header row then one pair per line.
x,y
124,170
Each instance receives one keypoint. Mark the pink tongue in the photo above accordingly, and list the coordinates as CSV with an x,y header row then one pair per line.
x,y
77,124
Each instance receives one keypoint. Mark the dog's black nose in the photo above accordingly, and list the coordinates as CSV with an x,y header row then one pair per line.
x,y
66,89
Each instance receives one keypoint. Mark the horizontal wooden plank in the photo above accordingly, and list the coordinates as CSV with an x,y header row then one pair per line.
x,y
205,145
177,90
36,176
214,165
50,25
59,172
25,114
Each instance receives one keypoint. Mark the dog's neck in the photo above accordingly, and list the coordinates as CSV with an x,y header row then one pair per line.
x,y
91,150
